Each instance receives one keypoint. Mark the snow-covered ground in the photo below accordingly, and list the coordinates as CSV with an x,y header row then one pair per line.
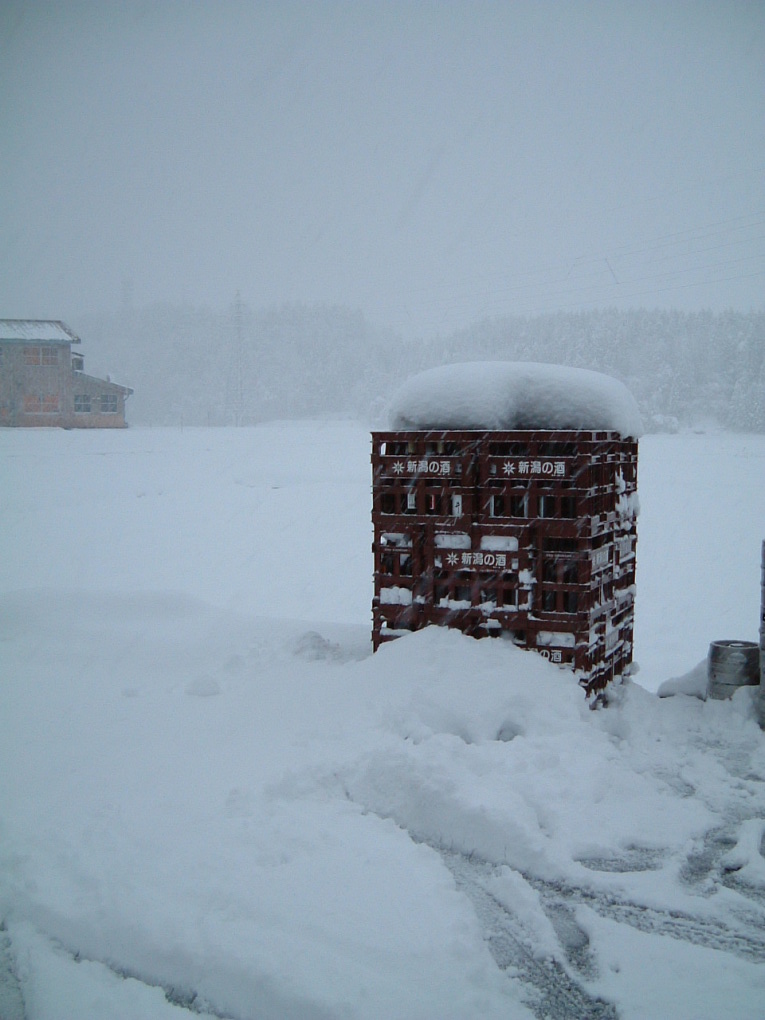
x,y
215,800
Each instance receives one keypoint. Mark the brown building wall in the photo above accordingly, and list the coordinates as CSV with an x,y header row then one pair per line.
x,y
92,392
34,393
38,389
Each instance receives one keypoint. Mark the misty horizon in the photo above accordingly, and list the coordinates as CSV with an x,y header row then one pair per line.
x,y
430,167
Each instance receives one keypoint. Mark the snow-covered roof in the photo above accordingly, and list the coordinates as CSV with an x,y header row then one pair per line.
x,y
106,385
515,395
40,330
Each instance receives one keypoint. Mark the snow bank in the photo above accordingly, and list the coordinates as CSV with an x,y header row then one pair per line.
x,y
217,803
515,395
693,683
293,844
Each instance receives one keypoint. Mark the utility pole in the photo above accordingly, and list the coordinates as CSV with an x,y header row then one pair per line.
x,y
238,400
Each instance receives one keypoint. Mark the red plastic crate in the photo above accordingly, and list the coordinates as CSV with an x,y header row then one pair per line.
x,y
527,533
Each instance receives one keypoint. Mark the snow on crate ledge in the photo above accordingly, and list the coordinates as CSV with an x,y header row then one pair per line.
x,y
555,638
452,540
395,596
515,395
499,543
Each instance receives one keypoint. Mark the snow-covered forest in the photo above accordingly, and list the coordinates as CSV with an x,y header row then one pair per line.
x,y
244,365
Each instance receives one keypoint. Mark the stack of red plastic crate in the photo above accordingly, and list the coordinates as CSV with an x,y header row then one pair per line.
x,y
530,534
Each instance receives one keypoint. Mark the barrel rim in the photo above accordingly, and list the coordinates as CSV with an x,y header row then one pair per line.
x,y
733,643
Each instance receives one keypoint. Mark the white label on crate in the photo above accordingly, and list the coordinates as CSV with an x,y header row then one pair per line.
x,y
511,468
487,560
538,468
424,466
553,654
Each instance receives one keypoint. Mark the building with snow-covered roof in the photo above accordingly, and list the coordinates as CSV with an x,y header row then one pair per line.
x,y
505,502
42,381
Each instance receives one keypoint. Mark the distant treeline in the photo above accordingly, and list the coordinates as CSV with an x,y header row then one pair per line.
x,y
244,365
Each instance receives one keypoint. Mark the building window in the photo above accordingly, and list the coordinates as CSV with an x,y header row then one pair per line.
x,y
82,403
109,403
41,355
47,404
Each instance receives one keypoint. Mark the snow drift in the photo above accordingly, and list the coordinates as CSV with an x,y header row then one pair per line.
x,y
215,801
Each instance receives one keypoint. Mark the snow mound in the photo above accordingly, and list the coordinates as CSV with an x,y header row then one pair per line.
x,y
515,395
693,683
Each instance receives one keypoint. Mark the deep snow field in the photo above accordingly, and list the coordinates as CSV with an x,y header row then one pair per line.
x,y
215,801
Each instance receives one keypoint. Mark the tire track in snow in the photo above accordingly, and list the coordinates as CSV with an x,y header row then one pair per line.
x,y
555,995
558,995
744,940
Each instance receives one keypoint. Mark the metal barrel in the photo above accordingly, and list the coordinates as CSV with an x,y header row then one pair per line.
x,y
730,665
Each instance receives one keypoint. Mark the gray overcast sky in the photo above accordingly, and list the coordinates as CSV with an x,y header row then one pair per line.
x,y
430,163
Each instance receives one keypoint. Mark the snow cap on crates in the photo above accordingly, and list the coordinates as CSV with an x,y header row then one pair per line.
x,y
515,395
